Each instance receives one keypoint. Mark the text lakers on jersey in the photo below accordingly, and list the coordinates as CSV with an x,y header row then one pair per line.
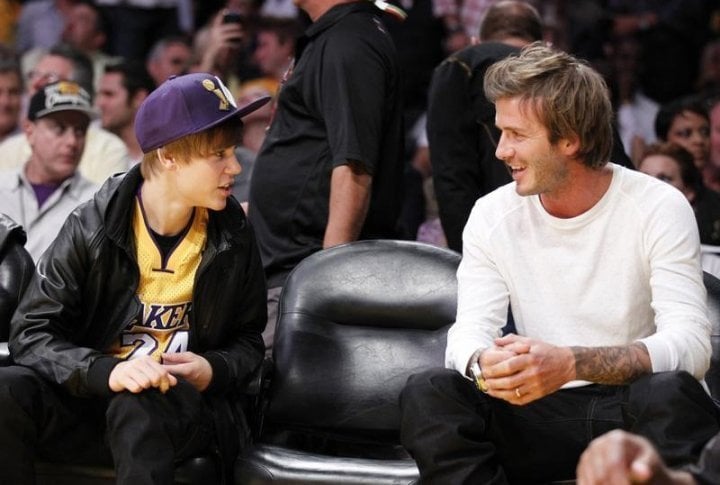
x,y
165,290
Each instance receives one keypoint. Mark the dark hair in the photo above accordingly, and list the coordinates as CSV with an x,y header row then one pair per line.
x,y
159,47
510,18
9,63
82,65
134,76
669,111
102,23
689,173
285,29
569,97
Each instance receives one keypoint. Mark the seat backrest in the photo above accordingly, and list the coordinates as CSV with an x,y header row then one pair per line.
x,y
16,269
712,377
354,322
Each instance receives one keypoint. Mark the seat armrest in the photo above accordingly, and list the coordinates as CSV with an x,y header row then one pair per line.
x,y
258,382
256,393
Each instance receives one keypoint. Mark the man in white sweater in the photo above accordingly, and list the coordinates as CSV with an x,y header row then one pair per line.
x,y
600,267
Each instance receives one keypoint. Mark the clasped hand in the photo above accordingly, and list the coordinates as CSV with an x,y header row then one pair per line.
x,y
620,458
520,370
142,373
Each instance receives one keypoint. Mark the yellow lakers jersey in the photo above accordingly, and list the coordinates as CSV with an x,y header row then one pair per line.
x,y
165,290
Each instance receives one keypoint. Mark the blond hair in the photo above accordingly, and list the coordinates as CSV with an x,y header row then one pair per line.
x,y
196,145
568,97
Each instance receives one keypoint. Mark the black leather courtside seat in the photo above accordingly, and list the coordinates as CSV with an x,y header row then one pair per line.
x,y
354,322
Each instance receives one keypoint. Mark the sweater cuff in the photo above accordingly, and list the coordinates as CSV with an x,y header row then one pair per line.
x,y
220,373
98,375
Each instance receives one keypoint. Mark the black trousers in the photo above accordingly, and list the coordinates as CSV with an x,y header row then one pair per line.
x,y
459,435
143,434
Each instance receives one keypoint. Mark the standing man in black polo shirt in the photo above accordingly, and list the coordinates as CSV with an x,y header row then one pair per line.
x,y
330,169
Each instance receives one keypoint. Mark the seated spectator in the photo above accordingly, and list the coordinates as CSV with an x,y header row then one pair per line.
x,y
623,458
41,24
711,172
685,121
105,153
673,164
48,186
169,56
10,95
275,46
123,88
147,317
85,30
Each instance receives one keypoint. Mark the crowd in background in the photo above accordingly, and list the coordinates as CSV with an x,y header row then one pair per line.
x,y
349,150
652,53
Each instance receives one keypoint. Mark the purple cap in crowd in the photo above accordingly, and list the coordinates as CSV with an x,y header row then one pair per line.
x,y
184,105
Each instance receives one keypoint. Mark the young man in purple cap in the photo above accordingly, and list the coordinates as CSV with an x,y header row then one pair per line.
x,y
145,316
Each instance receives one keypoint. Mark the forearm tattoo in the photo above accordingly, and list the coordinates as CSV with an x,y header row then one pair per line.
x,y
611,365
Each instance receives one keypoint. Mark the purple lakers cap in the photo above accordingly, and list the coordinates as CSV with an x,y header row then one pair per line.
x,y
184,105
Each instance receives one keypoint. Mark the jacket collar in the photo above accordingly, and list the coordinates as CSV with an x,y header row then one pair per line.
x,y
117,194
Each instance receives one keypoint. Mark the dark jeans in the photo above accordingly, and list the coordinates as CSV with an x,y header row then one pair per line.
x,y
143,434
459,435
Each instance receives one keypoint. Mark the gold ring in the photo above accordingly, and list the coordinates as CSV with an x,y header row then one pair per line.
x,y
517,392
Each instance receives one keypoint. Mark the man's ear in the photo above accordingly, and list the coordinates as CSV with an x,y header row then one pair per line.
x,y
28,128
168,162
569,146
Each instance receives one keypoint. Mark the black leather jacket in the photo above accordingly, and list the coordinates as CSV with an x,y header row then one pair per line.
x,y
83,295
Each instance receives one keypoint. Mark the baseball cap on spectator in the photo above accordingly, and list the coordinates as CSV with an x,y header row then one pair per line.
x,y
184,105
60,96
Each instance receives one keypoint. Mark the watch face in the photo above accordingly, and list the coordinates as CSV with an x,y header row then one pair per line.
x,y
478,377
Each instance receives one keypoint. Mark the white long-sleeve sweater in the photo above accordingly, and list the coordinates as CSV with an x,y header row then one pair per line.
x,y
626,270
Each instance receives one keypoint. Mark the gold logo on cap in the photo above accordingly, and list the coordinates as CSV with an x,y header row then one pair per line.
x,y
66,87
217,91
